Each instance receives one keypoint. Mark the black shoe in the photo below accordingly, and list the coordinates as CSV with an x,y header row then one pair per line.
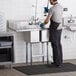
x,y
51,65
59,66
54,65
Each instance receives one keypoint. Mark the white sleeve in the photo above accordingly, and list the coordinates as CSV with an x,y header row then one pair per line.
x,y
50,13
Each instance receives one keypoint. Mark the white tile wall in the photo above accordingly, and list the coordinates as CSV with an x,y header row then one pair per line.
x,y
70,5
21,9
2,22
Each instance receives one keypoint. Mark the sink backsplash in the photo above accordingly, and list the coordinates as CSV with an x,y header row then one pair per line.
x,y
20,25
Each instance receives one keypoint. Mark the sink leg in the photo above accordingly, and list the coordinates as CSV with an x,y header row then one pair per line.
x,y
26,53
47,53
42,52
31,53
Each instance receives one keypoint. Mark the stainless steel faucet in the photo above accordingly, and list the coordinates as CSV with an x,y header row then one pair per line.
x,y
36,12
34,19
71,20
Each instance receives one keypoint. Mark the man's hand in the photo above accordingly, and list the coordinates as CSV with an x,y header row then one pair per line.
x,y
46,9
42,25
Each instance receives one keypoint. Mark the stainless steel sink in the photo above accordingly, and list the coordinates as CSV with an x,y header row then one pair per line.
x,y
69,22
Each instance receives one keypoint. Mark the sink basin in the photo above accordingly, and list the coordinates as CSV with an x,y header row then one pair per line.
x,y
31,27
73,28
70,28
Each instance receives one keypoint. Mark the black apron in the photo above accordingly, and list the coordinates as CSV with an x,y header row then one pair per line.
x,y
55,39
53,25
53,30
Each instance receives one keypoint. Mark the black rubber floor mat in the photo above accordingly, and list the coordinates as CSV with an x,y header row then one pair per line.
x,y
44,69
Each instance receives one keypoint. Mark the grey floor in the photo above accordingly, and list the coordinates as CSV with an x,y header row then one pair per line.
x,y
13,72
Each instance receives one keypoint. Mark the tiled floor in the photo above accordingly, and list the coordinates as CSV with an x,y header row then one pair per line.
x,y
13,72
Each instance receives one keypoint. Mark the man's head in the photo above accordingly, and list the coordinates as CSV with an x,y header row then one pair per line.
x,y
53,2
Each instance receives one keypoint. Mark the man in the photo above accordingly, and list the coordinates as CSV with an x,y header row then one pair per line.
x,y
55,18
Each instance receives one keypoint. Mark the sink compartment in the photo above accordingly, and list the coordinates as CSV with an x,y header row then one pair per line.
x,y
44,35
31,36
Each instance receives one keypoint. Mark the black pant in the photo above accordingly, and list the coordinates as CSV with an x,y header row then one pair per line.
x,y
55,39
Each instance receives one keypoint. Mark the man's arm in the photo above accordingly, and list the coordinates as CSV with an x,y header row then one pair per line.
x,y
47,19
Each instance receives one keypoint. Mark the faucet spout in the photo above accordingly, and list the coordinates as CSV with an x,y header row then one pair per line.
x,y
35,11
71,20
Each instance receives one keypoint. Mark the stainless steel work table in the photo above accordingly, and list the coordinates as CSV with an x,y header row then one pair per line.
x,y
35,36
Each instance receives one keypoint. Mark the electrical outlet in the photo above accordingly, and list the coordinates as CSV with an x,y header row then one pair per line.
x,y
65,9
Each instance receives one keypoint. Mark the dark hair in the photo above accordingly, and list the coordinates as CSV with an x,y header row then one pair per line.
x,y
54,0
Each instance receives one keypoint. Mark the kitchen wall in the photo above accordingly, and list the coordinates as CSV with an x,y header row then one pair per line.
x,y
22,9
70,4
